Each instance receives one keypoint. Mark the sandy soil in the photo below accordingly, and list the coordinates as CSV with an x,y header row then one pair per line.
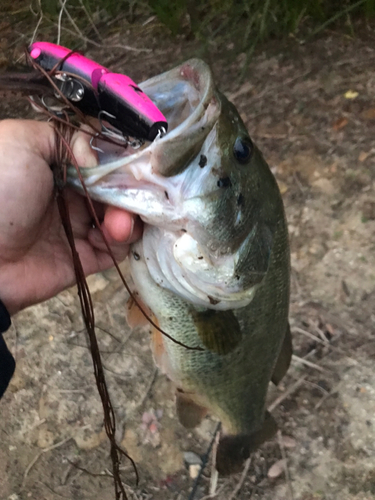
x,y
318,139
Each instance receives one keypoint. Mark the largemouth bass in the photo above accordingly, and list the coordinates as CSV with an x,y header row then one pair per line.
x,y
213,262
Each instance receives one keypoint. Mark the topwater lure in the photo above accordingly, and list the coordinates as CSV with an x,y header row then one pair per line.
x,y
97,92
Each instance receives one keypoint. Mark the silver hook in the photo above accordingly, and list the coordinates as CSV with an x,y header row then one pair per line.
x,y
92,143
113,134
161,133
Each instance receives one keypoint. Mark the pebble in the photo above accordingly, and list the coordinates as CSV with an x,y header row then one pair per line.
x,y
87,440
276,469
192,458
194,470
324,185
45,438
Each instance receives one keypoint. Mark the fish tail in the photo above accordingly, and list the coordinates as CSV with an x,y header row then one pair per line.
x,y
233,450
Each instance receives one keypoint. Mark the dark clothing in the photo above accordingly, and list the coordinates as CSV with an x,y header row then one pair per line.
x,y
7,363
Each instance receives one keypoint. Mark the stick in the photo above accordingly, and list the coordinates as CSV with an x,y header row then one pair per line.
x,y
308,363
242,479
59,21
286,469
38,22
36,458
214,472
91,20
286,394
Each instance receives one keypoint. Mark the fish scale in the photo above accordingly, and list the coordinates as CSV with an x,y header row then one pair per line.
x,y
213,263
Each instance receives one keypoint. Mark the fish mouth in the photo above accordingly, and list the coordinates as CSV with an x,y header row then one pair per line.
x,y
148,181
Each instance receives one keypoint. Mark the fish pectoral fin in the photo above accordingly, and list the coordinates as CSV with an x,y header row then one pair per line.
x,y
190,414
219,331
234,450
284,359
133,314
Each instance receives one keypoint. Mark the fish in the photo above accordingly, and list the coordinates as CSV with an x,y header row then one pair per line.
x,y
213,264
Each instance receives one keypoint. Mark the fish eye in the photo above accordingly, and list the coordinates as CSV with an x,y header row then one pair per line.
x,y
243,149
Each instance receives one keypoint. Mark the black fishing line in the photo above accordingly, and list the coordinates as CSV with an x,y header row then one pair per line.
x,y
204,463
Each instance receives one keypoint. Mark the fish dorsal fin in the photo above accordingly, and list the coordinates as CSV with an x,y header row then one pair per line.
x,y
219,331
189,413
234,450
284,359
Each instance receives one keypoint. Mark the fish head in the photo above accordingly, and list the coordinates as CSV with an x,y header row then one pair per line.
x,y
204,182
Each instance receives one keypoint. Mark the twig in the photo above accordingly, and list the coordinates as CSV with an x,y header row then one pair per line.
x,y
310,335
72,22
325,342
308,363
52,490
286,469
147,391
59,21
242,479
322,336
208,497
204,462
99,45
38,22
324,398
36,458
333,19
214,472
286,394
92,474
90,20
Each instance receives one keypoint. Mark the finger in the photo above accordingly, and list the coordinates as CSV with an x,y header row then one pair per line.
x,y
95,237
81,147
122,226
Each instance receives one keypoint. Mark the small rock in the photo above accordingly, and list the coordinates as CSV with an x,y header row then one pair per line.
x,y
45,438
14,496
192,458
282,186
276,469
288,442
324,185
194,470
87,440
97,282
131,445
18,380
368,210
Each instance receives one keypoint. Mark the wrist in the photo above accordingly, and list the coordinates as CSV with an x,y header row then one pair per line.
x,y
11,290
4,318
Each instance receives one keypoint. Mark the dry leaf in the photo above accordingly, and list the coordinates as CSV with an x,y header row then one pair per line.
x,y
368,210
363,156
288,442
276,469
282,186
340,123
368,114
244,89
351,94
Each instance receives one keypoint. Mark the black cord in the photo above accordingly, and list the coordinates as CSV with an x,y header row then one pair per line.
x,y
204,463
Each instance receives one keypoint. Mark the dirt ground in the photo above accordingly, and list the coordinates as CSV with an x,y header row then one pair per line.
x,y
311,110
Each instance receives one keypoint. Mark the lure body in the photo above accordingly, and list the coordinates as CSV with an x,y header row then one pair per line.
x,y
97,92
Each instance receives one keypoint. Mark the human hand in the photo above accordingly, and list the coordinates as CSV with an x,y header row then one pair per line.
x,y
35,258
